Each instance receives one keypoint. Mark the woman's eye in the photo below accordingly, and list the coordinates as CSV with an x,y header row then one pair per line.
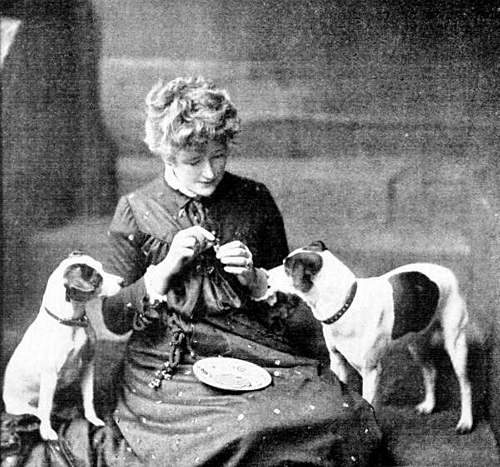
x,y
194,162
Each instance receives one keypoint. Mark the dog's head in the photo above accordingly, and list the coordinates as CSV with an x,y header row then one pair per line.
x,y
303,265
84,278
299,271
312,273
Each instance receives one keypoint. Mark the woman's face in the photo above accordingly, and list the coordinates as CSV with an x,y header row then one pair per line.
x,y
200,169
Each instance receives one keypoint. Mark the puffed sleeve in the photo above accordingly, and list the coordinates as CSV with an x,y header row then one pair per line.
x,y
124,258
273,245
124,255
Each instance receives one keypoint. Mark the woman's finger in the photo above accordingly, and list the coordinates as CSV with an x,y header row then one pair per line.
x,y
240,261
233,249
182,254
186,242
235,270
233,254
197,238
234,245
204,238
201,234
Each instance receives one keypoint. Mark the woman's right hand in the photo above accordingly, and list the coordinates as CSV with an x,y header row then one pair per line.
x,y
186,245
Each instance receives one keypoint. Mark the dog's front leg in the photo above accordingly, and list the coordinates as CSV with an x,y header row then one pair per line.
x,y
48,382
338,365
87,385
370,382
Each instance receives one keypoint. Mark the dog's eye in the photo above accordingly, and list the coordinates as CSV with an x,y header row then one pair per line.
x,y
87,272
96,280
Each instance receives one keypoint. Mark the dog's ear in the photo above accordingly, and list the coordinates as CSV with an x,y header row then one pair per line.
x,y
81,282
302,267
318,245
76,253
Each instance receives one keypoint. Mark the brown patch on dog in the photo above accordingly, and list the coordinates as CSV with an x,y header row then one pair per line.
x,y
302,267
415,299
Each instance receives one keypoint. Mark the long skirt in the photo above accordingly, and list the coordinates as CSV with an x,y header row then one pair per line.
x,y
305,417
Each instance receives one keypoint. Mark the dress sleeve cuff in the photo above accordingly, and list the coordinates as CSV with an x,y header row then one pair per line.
x,y
119,310
152,294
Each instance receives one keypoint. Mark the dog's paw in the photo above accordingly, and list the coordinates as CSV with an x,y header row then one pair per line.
x,y
47,433
424,408
95,420
463,427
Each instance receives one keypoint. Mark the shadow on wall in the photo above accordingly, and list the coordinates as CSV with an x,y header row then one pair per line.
x,y
58,161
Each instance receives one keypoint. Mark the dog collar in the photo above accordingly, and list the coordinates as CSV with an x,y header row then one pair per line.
x,y
344,308
81,322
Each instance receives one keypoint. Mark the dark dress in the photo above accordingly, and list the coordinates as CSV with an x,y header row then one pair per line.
x,y
303,418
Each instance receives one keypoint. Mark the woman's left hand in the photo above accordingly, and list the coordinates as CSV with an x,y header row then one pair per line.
x,y
237,259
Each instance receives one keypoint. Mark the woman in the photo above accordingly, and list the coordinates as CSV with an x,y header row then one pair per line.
x,y
193,247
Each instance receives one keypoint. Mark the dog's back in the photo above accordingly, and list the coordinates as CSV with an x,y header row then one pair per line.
x,y
443,277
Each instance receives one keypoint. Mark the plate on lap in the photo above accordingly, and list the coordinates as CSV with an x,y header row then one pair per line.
x,y
231,374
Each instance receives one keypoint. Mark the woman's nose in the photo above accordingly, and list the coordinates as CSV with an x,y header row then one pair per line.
x,y
208,171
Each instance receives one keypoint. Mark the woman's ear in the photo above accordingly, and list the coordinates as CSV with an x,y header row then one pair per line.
x,y
168,160
168,155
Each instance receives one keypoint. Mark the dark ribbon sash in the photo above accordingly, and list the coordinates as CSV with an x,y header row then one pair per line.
x,y
203,284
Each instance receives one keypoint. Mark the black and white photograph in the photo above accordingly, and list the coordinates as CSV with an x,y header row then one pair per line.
x,y
250,233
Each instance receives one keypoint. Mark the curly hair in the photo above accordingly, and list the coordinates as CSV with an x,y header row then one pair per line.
x,y
188,112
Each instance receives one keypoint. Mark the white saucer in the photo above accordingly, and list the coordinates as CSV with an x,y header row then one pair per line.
x,y
231,374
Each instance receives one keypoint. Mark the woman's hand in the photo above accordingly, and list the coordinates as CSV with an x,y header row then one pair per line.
x,y
237,259
186,245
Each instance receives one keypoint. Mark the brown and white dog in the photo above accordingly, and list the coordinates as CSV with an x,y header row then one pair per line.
x,y
361,316
58,347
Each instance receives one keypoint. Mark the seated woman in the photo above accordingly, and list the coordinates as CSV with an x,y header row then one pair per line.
x,y
193,246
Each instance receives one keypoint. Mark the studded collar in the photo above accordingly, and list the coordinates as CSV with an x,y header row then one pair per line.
x,y
79,322
337,315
